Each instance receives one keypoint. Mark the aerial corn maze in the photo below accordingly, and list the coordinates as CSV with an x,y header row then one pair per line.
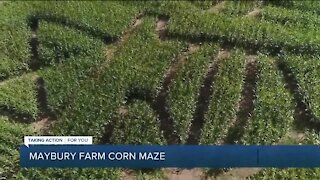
x,y
209,72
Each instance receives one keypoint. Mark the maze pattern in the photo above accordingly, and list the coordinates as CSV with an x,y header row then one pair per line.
x,y
150,105
158,102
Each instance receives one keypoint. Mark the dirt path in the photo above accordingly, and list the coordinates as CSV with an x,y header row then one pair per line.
x,y
42,125
183,174
161,27
254,13
199,174
202,105
217,8
293,136
111,49
238,173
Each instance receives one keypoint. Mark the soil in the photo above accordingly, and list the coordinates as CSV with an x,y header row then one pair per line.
x,y
193,48
293,136
123,110
161,27
238,173
254,13
183,174
127,175
42,125
217,8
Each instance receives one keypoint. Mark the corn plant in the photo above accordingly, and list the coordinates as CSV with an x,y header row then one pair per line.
x,y
184,91
225,97
273,113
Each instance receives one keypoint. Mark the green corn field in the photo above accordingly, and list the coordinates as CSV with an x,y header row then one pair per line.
x,y
159,72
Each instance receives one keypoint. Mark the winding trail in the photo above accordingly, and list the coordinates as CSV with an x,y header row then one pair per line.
x,y
161,27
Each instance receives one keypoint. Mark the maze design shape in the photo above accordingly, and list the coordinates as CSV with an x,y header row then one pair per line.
x,y
159,103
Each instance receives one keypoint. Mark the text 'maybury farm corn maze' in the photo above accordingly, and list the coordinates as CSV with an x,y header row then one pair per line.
x,y
200,72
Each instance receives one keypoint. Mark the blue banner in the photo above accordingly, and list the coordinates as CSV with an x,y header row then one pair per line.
x,y
181,156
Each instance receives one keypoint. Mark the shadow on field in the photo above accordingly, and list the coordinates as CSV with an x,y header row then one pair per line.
x,y
203,101
42,99
15,115
34,43
246,105
304,117
161,27
65,21
44,111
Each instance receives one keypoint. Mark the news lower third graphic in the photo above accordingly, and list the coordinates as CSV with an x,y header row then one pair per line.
x,y
57,140
79,151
